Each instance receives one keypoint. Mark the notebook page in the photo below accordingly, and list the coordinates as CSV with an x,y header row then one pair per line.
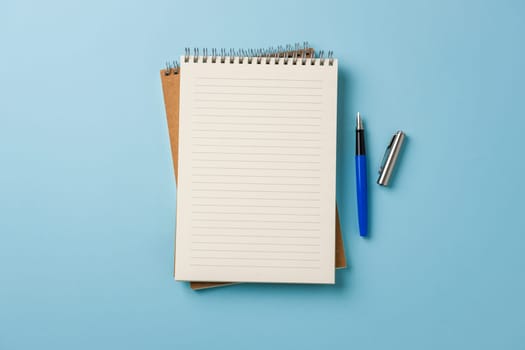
x,y
256,187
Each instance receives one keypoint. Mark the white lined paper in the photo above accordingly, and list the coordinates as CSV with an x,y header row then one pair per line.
x,y
256,186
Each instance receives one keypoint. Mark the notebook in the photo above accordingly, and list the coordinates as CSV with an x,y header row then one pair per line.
x,y
170,79
256,191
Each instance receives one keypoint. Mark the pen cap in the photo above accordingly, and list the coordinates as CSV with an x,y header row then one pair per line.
x,y
390,158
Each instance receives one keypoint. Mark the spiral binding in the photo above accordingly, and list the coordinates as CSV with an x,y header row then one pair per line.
x,y
284,55
172,67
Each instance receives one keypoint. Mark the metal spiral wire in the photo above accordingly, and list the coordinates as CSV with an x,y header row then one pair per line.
x,y
291,54
172,68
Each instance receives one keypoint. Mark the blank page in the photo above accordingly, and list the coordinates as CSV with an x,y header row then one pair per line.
x,y
257,160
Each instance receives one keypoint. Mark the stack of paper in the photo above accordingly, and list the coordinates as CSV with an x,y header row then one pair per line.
x,y
256,170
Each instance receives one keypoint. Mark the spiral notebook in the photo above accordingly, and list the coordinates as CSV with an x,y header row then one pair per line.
x,y
170,78
256,182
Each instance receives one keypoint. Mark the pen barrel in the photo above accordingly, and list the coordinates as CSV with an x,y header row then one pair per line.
x,y
362,192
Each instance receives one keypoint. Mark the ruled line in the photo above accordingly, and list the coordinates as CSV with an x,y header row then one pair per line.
x,y
253,236
263,176
253,183
251,138
262,199
250,123
253,206
258,109
202,114
317,132
257,101
257,191
261,87
259,154
251,213
259,266
252,258
258,228
257,79
259,116
257,221
264,243
256,251
251,168
256,161
255,94
254,146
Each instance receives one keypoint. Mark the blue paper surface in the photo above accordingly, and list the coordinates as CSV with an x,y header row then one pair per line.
x,y
87,193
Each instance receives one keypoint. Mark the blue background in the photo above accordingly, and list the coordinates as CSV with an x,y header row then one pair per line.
x,y
87,193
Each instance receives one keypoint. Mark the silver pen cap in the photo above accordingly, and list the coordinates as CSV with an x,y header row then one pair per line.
x,y
390,158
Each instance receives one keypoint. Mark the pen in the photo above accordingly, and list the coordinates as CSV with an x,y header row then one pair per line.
x,y
360,173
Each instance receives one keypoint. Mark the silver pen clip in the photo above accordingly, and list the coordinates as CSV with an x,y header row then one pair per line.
x,y
390,158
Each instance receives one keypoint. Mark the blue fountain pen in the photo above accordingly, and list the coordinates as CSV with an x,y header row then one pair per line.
x,y
360,173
